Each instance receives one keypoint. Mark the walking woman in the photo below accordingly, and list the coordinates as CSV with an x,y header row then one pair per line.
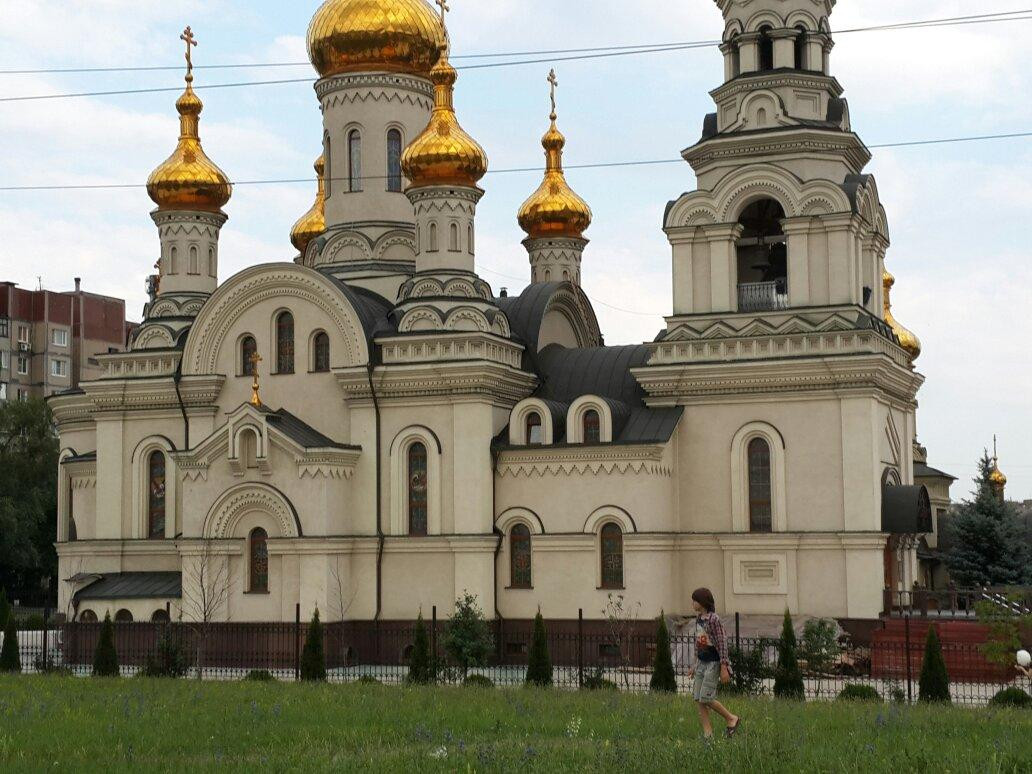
x,y
711,664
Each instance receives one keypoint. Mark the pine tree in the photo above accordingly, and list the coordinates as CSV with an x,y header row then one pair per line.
x,y
10,658
987,541
935,680
788,679
313,657
468,639
5,607
663,678
420,671
105,659
539,666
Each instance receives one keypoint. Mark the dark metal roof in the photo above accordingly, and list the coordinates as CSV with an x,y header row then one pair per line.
x,y
567,374
86,457
921,470
304,434
651,425
134,585
373,310
906,510
526,311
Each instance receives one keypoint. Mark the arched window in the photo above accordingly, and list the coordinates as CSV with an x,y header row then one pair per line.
x,y
156,495
760,509
160,616
535,433
433,238
520,557
327,150
800,48
321,352
248,348
453,237
173,261
123,616
259,561
213,269
394,160
87,616
469,239
354,161
285,343
417,490
612,557
736,58
195,267
592,427
766,49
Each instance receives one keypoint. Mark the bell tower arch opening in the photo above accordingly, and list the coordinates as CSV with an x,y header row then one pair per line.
x,y
762,257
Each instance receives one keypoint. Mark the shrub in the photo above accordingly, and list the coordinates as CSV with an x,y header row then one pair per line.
x,y
896,694
1011,697
420,670
663,678
859,693
105,659
313,658
788,680
934,684
169,658
468,639
5,608
478,681
748,671
597,682
10,658
368,680
32,623
819,645
260,676
539,665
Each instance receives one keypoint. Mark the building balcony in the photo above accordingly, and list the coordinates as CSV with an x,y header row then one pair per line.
x,y
763,296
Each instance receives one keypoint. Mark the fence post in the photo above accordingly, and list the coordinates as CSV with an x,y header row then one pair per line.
x,y
433,644
580,648
297,642
910,675
46,638
738,631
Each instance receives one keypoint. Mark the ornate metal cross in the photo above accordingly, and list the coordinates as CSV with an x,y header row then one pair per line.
x,y
445,8
255,397
191,41
553,82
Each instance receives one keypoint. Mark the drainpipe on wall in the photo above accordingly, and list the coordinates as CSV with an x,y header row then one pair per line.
x,y
379,497
176,378
498,532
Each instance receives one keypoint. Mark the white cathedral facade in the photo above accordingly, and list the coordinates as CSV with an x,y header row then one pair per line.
x,y
369,430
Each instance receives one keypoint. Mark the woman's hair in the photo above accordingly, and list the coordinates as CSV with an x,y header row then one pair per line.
x,y
705,598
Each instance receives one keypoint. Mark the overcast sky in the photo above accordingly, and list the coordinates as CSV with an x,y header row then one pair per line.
x,y
958,214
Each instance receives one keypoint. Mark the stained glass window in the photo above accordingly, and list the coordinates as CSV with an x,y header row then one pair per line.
x,y
321,345
259,560
520,557
612,557
355,161
759,486
592,427
535,436
285,343
248,346
394,161
417,490
156,496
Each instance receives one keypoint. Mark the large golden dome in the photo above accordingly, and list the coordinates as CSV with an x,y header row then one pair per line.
x,y
313,223
444,154
554,209
907,339
348,36
188,179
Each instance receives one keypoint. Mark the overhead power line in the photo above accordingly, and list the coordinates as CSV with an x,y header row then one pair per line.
x,y
503,171
574,55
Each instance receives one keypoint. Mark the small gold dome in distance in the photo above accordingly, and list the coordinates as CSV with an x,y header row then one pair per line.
x,y
313,223
907,339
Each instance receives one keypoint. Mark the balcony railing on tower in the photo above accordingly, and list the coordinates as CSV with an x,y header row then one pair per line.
x,y
763,296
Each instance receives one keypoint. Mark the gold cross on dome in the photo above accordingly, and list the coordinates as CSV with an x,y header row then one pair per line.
x,y
255,397
191,41
445,8
553,82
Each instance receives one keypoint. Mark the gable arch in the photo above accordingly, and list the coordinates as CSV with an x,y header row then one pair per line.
x,y
227,512
575,418
762,181
513,516
764,18
609,514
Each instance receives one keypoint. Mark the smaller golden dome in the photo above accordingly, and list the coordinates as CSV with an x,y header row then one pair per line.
x,y
444,154
907,339
996,477
348,36
188,179
313,223
554,209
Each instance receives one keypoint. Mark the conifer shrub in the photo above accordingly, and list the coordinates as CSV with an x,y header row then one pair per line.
x,y
468,638
788,679
934,685
1011,697
10,658
663,678
598,682
420,669
313,655
168,658
260,676
859,693
539,666
5,607
105,658
478,681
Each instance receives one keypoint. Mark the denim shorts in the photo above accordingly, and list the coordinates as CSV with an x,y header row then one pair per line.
x,y
707,678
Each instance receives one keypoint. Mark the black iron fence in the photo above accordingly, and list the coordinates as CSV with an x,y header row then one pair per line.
x,y
592,657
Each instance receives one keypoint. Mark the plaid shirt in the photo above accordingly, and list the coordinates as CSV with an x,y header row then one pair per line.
x,y
714,629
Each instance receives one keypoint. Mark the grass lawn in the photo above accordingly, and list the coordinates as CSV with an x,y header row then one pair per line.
x,y
75,724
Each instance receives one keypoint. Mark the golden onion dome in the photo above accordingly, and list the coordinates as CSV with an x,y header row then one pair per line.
x,y
313,223
907,339
996,477
554,209
188,179
444,154
347,36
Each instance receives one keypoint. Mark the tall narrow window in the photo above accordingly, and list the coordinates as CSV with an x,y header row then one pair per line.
x,y
394,160
195,267
321,355
612,557
453,237
800,48
592,427
760,512
469,239
736,58
173,261
156,496
535,436
766,49
520,557
213,269
354,161
417,490
327,154
259,561
248,348
433,238
285,343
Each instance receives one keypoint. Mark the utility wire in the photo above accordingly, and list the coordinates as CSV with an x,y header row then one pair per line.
x,y
503,171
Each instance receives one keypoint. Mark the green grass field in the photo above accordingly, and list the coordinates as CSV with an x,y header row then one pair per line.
x,y
70,724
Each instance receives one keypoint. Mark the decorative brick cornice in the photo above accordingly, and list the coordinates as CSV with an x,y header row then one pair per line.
x,y
545,462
